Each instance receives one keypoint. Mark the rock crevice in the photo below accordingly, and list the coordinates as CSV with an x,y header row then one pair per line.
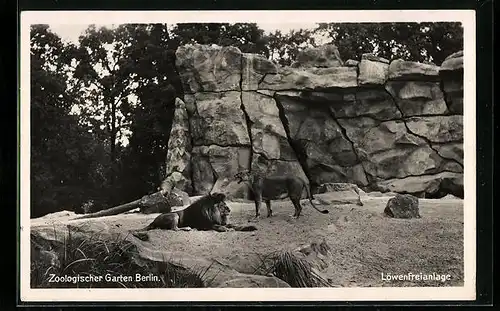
x,y
247,119
344,134
296,147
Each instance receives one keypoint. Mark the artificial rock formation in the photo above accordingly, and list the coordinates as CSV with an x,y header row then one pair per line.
x,y
382,125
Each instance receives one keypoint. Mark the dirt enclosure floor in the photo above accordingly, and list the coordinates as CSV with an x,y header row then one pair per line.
x,y
364,243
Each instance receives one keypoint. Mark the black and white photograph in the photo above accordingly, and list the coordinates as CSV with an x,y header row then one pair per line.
x,y
248,156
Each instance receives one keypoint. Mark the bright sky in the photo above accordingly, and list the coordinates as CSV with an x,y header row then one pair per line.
x,y
70,24
71,32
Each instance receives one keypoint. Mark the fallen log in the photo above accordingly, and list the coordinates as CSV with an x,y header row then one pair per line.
x,y
113,210
153,203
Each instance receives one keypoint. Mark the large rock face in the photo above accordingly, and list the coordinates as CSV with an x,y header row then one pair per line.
x,y
385,125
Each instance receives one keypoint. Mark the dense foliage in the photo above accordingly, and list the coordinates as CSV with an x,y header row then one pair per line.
x,y
431,42
101,110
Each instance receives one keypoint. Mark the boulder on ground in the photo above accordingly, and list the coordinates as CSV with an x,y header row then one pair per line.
x,y
159,203
402,206
339,193
155,203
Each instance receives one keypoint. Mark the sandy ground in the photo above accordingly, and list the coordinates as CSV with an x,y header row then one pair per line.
x,y
364,243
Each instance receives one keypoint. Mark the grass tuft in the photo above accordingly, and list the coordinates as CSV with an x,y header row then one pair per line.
x,y
114,261
293,269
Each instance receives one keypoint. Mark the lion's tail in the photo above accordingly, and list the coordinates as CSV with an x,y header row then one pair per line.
x,y
311,198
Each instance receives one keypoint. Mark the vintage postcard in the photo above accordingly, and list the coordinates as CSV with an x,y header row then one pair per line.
x,y
247,156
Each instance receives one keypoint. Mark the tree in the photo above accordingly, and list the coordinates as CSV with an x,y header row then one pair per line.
x,y
62,151
248,37
103,73
158,84
283,48
412,41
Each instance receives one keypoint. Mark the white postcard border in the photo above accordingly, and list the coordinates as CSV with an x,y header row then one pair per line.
x,y
467,292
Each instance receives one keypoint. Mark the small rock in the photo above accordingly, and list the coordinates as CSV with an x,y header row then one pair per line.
x,y
339,193
402,206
